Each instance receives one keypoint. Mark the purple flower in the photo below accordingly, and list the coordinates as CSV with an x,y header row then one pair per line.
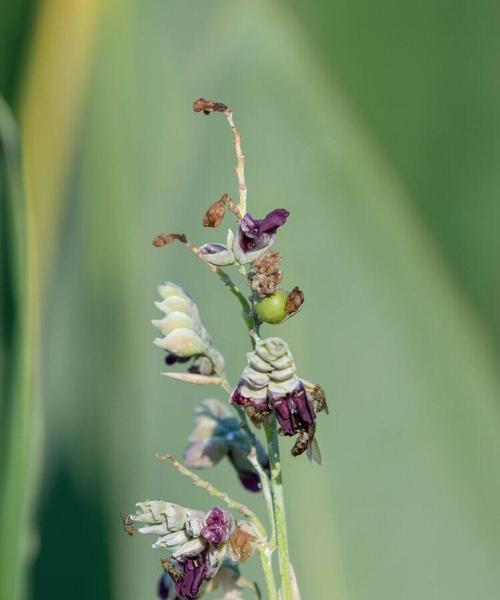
x,y
219,525
269,385
194,570
218,434
294,411
256,236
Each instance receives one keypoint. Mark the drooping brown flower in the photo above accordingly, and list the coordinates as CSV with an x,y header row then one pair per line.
x,y
215,213
242,544
294,301
167,238
208,106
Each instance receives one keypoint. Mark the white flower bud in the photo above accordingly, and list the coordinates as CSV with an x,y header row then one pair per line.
x,y
283,374
154,512
190,548
217,254
171,289
194,523
174,320
182,342
255,378
172,540
175,303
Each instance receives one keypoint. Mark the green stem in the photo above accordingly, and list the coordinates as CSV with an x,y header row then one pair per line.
x,y
278,507
271,430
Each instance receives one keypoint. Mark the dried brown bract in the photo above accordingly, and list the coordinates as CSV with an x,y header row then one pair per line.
x,y
214,215
303,440
167,238
266,274
319,399
127,524
208,106
242,544
294,301
257,416
170,568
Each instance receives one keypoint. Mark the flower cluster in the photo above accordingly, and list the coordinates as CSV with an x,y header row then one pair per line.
x,y
199,542
253,239
218,434
206,547
184,337
270,385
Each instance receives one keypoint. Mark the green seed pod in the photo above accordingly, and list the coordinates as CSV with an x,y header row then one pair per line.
x,y
271,309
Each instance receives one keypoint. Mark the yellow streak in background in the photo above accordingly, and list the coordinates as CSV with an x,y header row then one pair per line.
x,y
51,106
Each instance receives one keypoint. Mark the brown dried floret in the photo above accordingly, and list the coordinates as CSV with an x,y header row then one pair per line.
x,y
266,275
319,399
214,215
167,238
127,524
208,106
242,544
294,301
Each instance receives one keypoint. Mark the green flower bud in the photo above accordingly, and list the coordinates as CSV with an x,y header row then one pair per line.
x,y
271,309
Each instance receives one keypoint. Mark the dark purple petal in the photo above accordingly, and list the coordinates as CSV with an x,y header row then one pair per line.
x,y
303,407
255,234
218,527
246,473
194,571
276,218
259,404
212,248
250,226
250,481
171,359
285,416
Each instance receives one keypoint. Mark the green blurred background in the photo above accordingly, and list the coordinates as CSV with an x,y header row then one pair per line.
x,y
377,124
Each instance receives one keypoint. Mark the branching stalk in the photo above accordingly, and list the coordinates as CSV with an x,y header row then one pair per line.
x,y
263,546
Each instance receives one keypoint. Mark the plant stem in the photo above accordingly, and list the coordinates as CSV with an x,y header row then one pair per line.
x,y
266,491
246,309
271,430
240,165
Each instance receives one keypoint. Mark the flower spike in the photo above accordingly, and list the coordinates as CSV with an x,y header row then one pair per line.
x,y
269,385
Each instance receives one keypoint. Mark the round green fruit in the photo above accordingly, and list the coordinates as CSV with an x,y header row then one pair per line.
x,y
271,309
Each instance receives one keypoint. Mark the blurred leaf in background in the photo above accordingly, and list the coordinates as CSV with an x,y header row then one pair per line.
x,y
19,382
424,77
406,503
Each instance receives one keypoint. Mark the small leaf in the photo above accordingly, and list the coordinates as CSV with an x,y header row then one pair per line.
x,y
194,378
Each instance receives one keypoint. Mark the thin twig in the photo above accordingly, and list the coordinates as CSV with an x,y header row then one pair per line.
x,y
213,491
240,164
229,283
